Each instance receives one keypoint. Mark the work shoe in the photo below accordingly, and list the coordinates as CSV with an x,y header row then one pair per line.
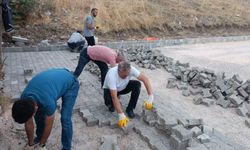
x,y
130,113
111,108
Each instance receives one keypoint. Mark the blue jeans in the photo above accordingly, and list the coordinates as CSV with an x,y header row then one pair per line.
x,y
84,59
68,102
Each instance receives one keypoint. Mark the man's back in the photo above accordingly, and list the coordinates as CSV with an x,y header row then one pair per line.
x,y
88,32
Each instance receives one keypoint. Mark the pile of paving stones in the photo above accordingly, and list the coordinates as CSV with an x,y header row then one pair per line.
x,y
207,87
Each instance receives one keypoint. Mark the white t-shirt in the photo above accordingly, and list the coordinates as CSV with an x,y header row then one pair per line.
x,y
114,82
75,37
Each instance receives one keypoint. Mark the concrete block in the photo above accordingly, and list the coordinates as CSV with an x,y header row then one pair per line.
x,y
245,84
205,82
237,78
183,122
196,131
235,100
223,103
242,92
207,130
129,128
177,144
185,93
204,138
206,93
194,91
207,102
218,95
182,86
91,121
230,91
197,100
182,133
194,122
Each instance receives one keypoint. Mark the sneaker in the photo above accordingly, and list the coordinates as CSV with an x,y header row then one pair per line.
x,y
130,113
111,108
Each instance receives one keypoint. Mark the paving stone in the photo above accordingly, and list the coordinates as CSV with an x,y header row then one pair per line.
x,y
197,100
194,122
235,100
237,78
223,103
91,121
185,92
196,131
207,130
205,82
218,95
245,84
242,92
204,138
207,102
230,91
177,144
247,123
129,128
182,133
182,86
206,93
194,91
183,122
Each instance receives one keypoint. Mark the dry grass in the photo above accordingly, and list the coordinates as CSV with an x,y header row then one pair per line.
x,y
119,15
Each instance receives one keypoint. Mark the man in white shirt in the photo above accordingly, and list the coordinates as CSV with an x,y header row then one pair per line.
x,y
118,82
76,40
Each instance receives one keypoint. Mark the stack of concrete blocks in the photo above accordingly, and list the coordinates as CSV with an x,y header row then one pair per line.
x,y
19,41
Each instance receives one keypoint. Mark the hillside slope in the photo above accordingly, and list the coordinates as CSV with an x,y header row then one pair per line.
x,y
132,19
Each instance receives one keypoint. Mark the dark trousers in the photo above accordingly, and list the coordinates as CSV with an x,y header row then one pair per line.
x,y
84,59
73,45
90,40
133,86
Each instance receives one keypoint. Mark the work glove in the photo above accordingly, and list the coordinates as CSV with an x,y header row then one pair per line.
x,y
148,104
40,147
123,120
28,147
96,27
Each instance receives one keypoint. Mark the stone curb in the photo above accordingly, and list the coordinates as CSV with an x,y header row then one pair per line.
x,y
133,44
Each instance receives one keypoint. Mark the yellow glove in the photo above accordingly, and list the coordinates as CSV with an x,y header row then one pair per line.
x,y
123,120
27,147
148,104
96,27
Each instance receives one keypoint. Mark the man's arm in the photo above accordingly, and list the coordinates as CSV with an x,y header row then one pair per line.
x,y
29,128
146,83
116,101
47,129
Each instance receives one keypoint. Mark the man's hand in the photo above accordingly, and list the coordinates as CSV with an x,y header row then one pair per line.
x,y
123,120
148,104
28,147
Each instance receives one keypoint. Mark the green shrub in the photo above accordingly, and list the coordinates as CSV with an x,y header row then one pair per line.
x,y
22,8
